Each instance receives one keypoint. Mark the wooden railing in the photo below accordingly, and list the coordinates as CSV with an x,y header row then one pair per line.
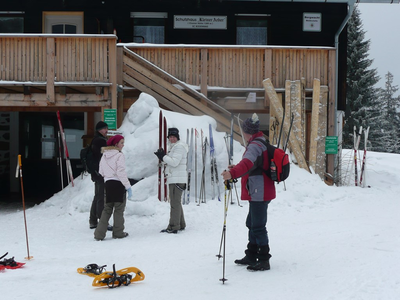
x,y
63,60
240,66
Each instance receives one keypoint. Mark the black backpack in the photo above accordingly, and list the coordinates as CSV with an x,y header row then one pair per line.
x,y
87,159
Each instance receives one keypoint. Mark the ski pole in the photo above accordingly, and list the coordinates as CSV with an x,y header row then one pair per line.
x,y
287,141
281,129
223,237
241,130
23,205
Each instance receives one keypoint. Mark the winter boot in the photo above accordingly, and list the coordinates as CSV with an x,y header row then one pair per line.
x,y
263,260
251,256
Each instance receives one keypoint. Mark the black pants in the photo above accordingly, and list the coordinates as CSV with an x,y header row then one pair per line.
x,y
98,201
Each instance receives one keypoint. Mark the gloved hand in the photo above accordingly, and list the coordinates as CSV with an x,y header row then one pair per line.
x,y
130,196
160,153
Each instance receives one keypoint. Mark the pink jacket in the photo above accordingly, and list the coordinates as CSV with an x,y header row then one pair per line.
x,y
112,166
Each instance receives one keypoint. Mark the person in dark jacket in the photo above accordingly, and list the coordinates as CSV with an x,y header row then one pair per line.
x,y
259,190
99,141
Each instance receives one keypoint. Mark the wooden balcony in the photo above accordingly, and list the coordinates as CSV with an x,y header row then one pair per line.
x,y
57,71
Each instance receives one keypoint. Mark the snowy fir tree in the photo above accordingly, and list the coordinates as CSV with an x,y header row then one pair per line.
x,y
362,108
389,127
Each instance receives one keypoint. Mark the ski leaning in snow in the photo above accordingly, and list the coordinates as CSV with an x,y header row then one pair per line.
x,y
162,143
212,162
356,144
9,263
117,278
214,169
195,164
204,144
165,149
362,173
189,168
67,161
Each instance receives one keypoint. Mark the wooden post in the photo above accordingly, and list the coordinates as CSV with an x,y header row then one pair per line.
x,y
50,72
120,92
314,124
331,109
320,167
297,109
112,66
204,71
277,109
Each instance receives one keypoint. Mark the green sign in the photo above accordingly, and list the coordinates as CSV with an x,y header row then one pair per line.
x,y
110,117
331,145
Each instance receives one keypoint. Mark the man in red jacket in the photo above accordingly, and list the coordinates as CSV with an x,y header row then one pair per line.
x,y
259,190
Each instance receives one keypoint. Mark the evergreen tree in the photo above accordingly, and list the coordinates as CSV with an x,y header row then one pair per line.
x,y
388,141
362,108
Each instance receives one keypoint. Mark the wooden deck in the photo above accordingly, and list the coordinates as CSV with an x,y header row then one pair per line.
x,y
58,70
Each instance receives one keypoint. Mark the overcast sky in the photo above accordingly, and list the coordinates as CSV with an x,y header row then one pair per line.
x,y
381,22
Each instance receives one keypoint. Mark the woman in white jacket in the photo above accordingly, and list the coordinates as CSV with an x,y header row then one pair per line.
x,y
176,175
112,168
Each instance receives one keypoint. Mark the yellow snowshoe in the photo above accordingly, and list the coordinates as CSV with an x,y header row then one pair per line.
x,y
118,278
92,270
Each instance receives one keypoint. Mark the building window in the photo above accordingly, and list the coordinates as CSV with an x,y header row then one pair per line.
x,y
149,27
63,28
63,22
251,30
11,22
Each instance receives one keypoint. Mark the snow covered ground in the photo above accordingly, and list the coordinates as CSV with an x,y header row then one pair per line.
x,y
326,242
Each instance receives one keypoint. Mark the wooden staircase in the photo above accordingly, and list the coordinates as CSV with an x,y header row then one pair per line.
x,y
173,93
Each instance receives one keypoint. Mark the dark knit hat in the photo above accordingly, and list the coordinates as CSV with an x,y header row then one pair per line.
x,y
173,132
112,141
100,125
251,125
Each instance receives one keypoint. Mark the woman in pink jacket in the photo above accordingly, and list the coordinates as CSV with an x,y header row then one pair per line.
x,y
112,168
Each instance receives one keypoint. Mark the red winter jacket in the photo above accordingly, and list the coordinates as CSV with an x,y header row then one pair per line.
x,y
258,186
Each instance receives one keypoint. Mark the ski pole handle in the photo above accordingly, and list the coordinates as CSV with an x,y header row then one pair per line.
x,y
19,167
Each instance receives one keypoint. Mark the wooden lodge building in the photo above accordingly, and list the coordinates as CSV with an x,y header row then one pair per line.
x,y
214,57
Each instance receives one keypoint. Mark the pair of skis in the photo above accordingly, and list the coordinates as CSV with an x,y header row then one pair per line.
x,y
357,138
204,144
70,176
162,143
186,196
213,166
